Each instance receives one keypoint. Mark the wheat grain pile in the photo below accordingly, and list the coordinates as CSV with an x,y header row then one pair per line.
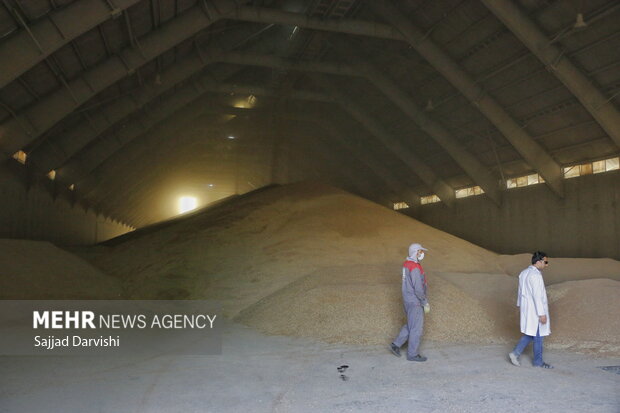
x,y
38,270
564,269
584,315
251,247
361,304
310,260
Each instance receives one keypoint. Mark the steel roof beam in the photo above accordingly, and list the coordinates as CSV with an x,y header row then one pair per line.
x,y
341,140
352,178
141,156
256,59
88,185
403,152
595,102
351,171
48,111
121,192
76,138
403,193
55,30
17,135
273,16
73,140
478,172
135,190
38,119
132,192
91,158
531,151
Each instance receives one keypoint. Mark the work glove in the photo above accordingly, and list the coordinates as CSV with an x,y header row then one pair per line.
x,y
427,308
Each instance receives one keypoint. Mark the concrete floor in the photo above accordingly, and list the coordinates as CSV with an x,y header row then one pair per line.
x,y
257,373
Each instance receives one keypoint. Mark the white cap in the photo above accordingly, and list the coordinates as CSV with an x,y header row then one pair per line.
x,y
414,248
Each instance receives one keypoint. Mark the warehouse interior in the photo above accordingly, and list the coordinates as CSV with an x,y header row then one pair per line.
x,y
279,156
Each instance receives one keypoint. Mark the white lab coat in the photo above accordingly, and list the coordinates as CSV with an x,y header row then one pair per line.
x,y
532,301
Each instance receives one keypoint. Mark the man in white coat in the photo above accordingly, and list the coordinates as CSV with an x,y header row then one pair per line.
x,y
534,309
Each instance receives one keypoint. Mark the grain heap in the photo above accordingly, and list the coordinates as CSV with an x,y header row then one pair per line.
x,y
565,269
361,304
247,249
311,260
585,315
37,270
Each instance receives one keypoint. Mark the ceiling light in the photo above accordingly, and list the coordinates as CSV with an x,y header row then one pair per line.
x,y
580,23
295,29
20,156
231,137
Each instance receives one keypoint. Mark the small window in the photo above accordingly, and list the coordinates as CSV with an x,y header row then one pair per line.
x,y
470,191
598,167
590,168
429,199
531,179
612,164
461,193
511,183
20,156
400,205
585,169
571,172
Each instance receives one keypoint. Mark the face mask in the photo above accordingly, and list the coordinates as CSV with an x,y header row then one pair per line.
x,y
421,256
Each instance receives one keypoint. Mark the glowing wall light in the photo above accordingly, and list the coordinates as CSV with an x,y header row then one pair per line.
x,y
187,203
245,103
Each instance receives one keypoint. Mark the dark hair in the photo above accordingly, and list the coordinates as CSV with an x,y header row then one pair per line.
x,y
538,256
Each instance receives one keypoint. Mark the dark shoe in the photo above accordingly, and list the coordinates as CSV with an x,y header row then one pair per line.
x,y
545,366
417,358
395,350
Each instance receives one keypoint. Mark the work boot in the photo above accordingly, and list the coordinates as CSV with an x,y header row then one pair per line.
x,y
417,358
395,350
514,359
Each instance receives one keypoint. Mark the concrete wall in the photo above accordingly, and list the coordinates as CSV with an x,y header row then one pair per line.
x,y
35,214
586,223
